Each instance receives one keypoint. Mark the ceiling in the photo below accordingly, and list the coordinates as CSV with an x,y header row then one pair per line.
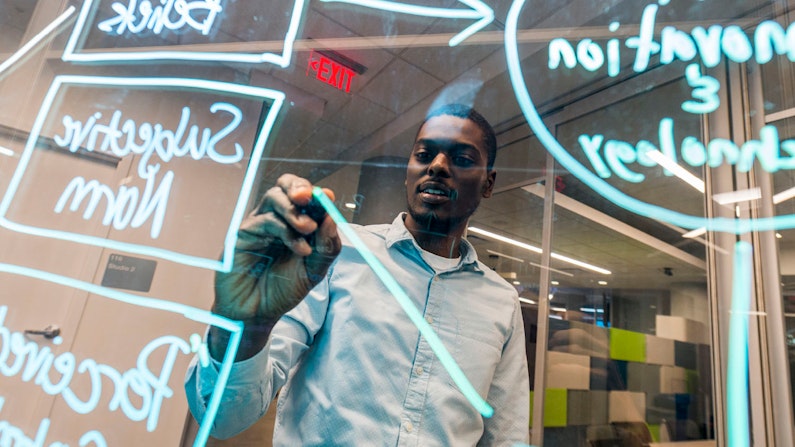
x,y
328,135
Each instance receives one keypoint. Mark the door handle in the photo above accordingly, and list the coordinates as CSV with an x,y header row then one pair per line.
x,y
49,332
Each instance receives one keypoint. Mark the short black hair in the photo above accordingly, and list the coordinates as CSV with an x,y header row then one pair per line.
x,y
467,112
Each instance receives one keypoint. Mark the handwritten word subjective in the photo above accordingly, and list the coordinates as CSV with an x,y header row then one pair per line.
x,y
136,16
127,206
31,362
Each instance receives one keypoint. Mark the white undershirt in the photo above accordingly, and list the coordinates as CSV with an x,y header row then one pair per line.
x,y
440,263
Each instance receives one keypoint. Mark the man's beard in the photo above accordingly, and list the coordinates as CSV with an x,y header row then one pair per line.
x,y
432,224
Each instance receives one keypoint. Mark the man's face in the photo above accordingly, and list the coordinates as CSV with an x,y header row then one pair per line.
x,y
447,173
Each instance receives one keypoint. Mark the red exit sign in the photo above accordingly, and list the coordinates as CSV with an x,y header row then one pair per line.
x,y
328,68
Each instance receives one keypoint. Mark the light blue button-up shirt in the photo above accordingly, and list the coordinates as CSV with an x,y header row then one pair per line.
x,y
353,370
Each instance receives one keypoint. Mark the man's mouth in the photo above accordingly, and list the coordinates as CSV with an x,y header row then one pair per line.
x,y
436,193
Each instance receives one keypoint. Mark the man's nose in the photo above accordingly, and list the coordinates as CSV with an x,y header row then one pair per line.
x,y
439,166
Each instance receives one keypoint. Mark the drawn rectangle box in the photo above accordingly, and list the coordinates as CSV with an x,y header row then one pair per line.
x,y
121,27
237,211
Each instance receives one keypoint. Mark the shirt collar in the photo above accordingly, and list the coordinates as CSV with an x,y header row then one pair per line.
x,y
398,233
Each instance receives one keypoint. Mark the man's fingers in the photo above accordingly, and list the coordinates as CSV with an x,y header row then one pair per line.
x,y
258,232
277,202
327,246
298,189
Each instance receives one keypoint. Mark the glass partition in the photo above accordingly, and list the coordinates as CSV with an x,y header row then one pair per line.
x,y
628,252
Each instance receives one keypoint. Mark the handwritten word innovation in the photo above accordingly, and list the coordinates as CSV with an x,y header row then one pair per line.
x,y
127,206
137,17
709,44
22,357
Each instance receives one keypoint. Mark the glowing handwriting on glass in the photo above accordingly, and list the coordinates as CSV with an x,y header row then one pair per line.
x,y
618,154
36,363
156,18
74,44
408,306
122,208
202,316
162,148
11,435
709,44
155,139
479,10
595,182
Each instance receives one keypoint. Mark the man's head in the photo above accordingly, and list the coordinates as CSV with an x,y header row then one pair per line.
x,y
449,170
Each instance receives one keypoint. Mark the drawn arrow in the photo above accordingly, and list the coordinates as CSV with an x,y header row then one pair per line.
x,y
479,11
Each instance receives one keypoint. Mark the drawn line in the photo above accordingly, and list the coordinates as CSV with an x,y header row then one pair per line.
x,y
737,368
192,313
405,302
36,39
480,11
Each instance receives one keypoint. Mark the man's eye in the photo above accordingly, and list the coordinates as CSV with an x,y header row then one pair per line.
x,y
463,161
422,156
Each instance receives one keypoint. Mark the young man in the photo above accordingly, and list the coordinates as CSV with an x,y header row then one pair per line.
x,y
320,326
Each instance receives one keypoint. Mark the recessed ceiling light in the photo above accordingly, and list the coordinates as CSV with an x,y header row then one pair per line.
x,y
555,283
602,283
539,251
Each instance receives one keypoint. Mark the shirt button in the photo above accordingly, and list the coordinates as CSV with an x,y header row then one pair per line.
x,y
419,370
429,319
408,426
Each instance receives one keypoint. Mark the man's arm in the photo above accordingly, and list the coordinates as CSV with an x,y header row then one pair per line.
x,y
510,391
281,253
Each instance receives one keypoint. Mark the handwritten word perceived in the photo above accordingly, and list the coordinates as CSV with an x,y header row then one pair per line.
x,y
709,44
20,356
11,435
137,17
155,139
616,155
331,72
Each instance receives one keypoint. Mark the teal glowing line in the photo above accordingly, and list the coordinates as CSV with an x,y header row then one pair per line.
x,y
192,313
23,50
408,306
723,224
257,93
282,60
479,10
738,421
202,316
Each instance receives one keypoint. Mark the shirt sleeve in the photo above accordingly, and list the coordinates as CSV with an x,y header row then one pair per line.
x,y
254,382
509,393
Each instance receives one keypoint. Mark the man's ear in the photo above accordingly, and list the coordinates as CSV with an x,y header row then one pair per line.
x,y
488,185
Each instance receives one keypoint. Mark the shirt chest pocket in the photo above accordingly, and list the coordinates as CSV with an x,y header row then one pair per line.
x,y
477,348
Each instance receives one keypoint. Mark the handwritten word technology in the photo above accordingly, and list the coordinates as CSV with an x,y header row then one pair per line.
x,y
709,45
138,16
